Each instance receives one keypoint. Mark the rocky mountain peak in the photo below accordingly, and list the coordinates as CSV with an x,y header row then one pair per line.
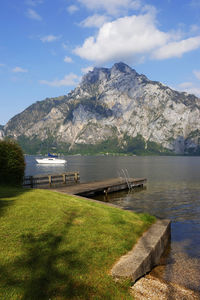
x,y
105,74
122,68
114,103
97,74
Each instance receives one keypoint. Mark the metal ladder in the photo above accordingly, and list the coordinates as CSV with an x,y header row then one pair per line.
x,y
126,177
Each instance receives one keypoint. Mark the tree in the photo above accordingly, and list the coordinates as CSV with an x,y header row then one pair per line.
x,y
12,164
135,145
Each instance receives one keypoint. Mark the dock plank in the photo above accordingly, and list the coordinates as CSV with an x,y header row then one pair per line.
x,y
104,186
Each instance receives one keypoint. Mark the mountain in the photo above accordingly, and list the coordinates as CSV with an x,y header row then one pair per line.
x,y
1,132
112,108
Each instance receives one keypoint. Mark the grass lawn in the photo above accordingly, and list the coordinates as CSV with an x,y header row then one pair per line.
x,y
55,246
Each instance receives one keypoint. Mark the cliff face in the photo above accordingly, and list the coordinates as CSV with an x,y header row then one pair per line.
x,y
1,132
112,103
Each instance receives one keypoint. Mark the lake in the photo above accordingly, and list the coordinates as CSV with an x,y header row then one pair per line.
x,y
172,191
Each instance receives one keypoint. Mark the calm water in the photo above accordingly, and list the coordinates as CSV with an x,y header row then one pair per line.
x,y
172,191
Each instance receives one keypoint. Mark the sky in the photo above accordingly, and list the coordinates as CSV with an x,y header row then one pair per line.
x,y
46,46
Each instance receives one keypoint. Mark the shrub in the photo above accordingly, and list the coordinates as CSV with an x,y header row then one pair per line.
x,y
12,164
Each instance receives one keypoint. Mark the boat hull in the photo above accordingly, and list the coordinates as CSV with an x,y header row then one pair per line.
x,y
50,161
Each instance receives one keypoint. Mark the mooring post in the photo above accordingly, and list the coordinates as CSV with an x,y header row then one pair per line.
x,y
50,180
106,192
76,177
64,178
31,181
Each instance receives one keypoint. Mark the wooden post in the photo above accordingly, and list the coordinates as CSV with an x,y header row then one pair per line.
x,y
31,181
76,177
64,179
50,180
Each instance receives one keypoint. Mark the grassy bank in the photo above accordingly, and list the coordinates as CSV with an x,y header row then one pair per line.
x,y
54,246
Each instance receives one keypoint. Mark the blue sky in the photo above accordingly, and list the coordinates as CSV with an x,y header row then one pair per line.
x,y
46,46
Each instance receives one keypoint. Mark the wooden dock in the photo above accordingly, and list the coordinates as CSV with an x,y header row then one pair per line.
x,y
69,183
101,187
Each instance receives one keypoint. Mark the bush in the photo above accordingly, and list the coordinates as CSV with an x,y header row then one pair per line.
x,y
12,164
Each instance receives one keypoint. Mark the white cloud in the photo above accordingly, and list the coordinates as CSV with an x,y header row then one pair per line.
x,y
68,59
33,2
197,74
177,49
134,39
32,14
124,38
72,9
137,4
50,38
190,88
185,85
2,65
149,9
65,46
112,7
94,21
194,90
19,70
69,80
194,28
87,69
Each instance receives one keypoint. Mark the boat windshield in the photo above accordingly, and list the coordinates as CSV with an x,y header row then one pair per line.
x,y
52,155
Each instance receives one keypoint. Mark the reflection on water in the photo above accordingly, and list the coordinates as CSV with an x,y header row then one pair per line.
x,y
172,191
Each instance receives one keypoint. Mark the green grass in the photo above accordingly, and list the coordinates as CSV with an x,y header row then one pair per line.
x,y
55,246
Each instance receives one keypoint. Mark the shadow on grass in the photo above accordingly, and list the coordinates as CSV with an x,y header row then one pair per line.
x,y
11,191
7,192
46,270
4,204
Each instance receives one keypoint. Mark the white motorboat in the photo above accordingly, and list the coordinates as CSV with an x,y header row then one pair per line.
x,y
50,160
